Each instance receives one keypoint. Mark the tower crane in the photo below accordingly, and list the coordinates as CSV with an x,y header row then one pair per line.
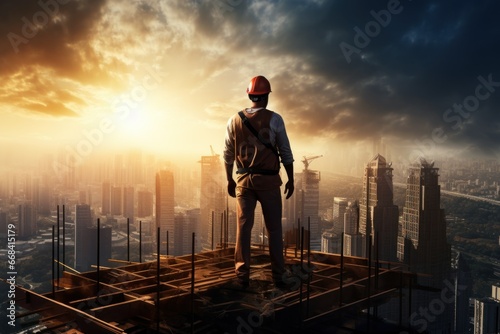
x,y
306,160
213,152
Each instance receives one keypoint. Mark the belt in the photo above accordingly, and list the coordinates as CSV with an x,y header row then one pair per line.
x,y
257,171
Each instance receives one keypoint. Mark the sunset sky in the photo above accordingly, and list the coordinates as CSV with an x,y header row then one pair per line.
x,y
165,75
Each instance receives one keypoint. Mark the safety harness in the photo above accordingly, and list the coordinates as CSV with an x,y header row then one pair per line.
x,y
249,170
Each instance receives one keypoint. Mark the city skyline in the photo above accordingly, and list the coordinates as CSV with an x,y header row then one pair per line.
x,y
84,77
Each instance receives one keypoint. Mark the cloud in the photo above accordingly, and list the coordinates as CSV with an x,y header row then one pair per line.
x,y
424,57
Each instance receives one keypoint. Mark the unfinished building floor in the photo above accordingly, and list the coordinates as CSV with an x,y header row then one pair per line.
x,y
327,293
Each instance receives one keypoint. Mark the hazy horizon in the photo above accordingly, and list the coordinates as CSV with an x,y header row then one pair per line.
x,y
400,78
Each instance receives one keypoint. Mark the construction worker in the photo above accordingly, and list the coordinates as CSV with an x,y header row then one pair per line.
x,y
256,140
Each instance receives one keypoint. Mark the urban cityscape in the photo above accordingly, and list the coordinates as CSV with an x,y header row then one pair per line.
x,y
119,125
133,194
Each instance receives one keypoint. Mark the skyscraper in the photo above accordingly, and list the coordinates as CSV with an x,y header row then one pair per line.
x,y
463,292
83,221
353,240
486,315
27,220
116,201
307,201
378,216
212,198
339,208
165,206
144,203
106,198
422,243
128,203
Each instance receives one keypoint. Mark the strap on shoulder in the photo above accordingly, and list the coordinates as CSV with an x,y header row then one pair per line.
x,y
255,133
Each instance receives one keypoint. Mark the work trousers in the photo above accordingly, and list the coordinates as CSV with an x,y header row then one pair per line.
x,y
270,201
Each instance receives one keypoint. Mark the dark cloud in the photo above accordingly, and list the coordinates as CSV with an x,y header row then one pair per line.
x,y
399,85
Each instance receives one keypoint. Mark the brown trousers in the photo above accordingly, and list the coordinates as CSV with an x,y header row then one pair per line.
x,y
270,201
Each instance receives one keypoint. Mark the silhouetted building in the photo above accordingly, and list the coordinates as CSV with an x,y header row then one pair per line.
x,y
463,292
128,203
212,199
378,216
165,206
307,203
83,221
116,201
26,220
423,247
486,316
144,203
353,240
106,198
339,207
3,222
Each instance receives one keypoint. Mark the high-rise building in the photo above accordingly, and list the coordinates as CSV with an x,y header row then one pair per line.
x,y
27,220
144,203
486,316
3,223
463,292
83,221
339,208
106,198
116,201
212,199
422,243
165,218
353,240
378,216
307,201
128,203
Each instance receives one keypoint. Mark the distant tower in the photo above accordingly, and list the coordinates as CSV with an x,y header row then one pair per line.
x,y
339,207
83,221
116,201
422,243
307,201
212,198
27,220
165,204
128,203
353,240
463,292
144,203
106,198
378,216
486,315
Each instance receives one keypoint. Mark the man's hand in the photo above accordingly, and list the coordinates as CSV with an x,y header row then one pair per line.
x,y
231,188
289,188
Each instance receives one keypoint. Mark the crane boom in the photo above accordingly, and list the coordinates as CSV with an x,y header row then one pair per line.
x,y
306,161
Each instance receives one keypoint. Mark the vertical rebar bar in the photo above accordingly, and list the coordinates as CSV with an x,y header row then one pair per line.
x,y
64,237
192,282
309,271
53,261
168,246
158,278
221,228
98,256
58,251
341,268
213,217
128,239
369,282
301,272
140,241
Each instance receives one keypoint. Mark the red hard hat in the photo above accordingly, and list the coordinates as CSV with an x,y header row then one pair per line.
x,y
259,85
